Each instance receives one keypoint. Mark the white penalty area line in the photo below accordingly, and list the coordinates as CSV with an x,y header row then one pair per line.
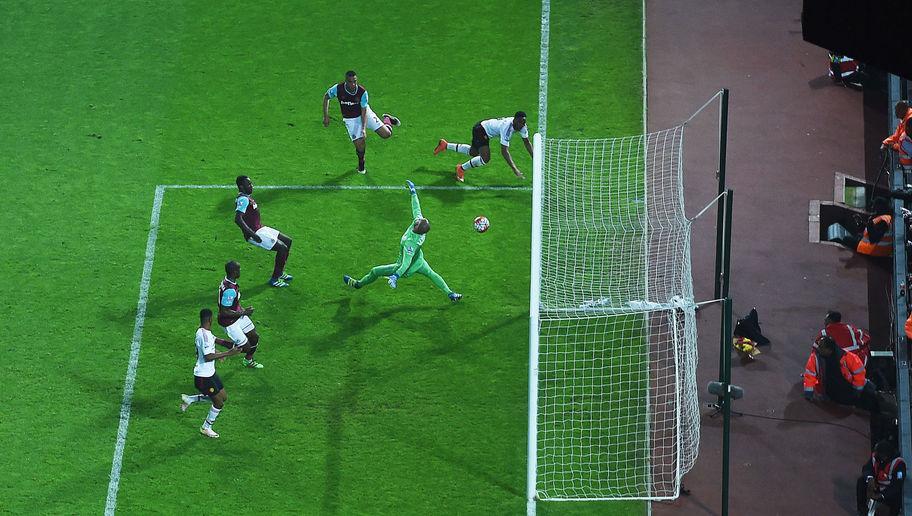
x,y
139,323
126,403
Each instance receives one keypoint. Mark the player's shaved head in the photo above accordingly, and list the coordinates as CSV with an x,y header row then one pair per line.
x,y
901,108
421,226
349,74
244,184
233,269
205,315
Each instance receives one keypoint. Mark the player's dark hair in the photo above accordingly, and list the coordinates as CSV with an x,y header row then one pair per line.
x,y
826,343
422,227
520,114
205,315
240,179
885,448
231,265
350,73
834,316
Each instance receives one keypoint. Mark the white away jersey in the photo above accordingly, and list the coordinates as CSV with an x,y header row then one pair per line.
x,y
503,127
205,344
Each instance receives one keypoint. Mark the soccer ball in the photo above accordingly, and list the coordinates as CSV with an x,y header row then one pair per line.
x,y
481,224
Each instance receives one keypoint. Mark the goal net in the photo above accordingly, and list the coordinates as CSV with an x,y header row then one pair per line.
x,y
614,412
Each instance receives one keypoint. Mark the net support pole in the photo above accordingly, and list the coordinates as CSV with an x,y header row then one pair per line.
x,y
534,305
723,149
725,339
725,401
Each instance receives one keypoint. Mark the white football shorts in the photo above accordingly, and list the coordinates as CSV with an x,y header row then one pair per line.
x,y
354,124
237,330
268,238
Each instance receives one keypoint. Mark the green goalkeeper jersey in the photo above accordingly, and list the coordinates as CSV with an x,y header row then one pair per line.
x,y
411,257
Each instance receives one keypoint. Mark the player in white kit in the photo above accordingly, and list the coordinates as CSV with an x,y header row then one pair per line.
x,y
206,381
480,150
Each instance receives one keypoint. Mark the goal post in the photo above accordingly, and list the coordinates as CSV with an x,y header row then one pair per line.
x,y
534,296
613,408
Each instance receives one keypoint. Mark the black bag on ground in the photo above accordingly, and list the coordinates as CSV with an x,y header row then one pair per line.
x,y
749,328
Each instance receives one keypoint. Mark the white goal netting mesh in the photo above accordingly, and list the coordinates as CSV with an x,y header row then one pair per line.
x,y
617,409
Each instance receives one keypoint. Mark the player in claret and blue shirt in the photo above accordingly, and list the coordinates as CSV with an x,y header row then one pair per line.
x,y
247,217
411,257
357,114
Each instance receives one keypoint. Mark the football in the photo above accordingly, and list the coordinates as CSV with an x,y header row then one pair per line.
x,y
481,224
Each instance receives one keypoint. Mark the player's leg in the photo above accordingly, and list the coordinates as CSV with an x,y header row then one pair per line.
x,y
479,150
359,150
383,128
443,145
278,268
217,394
253,340
356,132
285,239
370,277
201,384
438,281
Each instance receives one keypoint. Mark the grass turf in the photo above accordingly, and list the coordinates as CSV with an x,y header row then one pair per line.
x,y
102,103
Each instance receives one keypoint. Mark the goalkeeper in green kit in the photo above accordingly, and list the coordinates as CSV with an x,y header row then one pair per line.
x,y
411,257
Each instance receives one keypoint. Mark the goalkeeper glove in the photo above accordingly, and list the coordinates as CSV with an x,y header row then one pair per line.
x,y
392,280
411,187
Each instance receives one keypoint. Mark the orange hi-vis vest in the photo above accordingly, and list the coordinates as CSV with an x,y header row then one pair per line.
x,y
849,338
852,370
884,474
893,140
884,246
909,327
904,158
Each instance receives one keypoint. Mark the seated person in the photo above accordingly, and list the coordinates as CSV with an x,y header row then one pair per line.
x,y
848,337
880,485
831,373
877,237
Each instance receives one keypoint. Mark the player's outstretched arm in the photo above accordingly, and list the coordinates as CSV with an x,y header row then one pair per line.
x,y
218,356
416,206
528,145
505,152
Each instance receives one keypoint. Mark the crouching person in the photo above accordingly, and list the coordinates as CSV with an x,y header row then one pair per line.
x,y
832,373
879,488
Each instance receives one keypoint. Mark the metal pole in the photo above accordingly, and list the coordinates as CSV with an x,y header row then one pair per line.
x,y
723,252
723,149
900,299
725,380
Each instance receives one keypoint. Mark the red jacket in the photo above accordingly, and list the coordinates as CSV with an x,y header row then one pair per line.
x,y
849,338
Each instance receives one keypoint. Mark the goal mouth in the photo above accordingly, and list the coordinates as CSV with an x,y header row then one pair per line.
x,y
613,338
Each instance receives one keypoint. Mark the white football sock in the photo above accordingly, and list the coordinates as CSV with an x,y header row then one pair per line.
x,y
473,163
210,419
458,147
199,397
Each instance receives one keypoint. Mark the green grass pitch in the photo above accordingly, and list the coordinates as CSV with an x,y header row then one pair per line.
x,y
372,401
